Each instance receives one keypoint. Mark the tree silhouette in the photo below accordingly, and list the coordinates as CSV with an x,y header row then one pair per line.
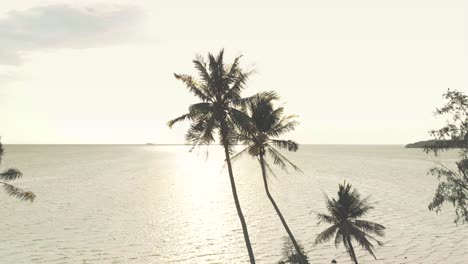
x,y
344,214
453,183
261,140
218,89
12,174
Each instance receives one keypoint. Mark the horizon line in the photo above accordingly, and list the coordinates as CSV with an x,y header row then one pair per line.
x,y
179,144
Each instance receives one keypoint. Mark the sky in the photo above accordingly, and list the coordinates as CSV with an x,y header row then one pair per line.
x,y
101,72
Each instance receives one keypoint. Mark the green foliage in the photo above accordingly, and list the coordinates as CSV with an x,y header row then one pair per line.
x,y
453,183
344,213
11,175
456,129
290,255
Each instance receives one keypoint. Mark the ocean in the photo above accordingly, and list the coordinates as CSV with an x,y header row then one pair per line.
x,y
164,204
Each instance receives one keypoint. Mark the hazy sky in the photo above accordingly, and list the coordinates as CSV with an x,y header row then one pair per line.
x,y
357,72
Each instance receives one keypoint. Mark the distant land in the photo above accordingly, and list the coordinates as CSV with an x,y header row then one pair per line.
x,y
432,143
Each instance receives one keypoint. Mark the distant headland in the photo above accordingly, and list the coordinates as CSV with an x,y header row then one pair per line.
x,y
433,143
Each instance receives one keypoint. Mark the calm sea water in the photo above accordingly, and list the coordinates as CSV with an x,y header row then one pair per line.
x,y
162,204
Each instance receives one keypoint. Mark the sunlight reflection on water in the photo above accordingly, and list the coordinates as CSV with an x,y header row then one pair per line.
x,y
163,204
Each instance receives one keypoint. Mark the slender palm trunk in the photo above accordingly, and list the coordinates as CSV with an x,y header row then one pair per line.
x,y
234,193
351,250
278,212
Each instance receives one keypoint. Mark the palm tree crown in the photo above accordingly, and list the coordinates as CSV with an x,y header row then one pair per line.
x,y
219,90
11,175
267,124
344,214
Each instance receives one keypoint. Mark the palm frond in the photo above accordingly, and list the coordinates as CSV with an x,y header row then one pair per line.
x,y
197,132
323,218
245,137
181,118
326,235
276,116
281,159
359,207
270,169
196,111
345,243
266,96
200,65
361,239
338,238
334,208
228,135
207,135
216,68
10,175
233,70
240,154
220,63
200,109
233,93
371,227
285,144
193,86
261,111
240,119
277,160
18,193
283,127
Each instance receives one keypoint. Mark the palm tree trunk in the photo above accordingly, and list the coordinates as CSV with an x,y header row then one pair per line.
x,y
234,192
278,212
351,250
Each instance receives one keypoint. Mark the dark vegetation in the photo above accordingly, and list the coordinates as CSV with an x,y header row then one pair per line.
x,y
453,178
432,143
218,111
9,175
290,255
223,116
344,215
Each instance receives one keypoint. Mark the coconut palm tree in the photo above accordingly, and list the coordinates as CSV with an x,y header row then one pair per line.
x,y
344,214
218,89
11,175
289,253
260,139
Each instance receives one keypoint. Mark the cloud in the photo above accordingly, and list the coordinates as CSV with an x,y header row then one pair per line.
x,y
65,26
5,77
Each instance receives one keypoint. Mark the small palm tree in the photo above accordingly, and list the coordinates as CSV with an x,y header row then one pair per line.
x,y
11,175
219,90
267,123
289,253
346,226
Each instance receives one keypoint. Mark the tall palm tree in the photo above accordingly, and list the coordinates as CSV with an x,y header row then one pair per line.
x,y
219,90
344,214
260,138
11,175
